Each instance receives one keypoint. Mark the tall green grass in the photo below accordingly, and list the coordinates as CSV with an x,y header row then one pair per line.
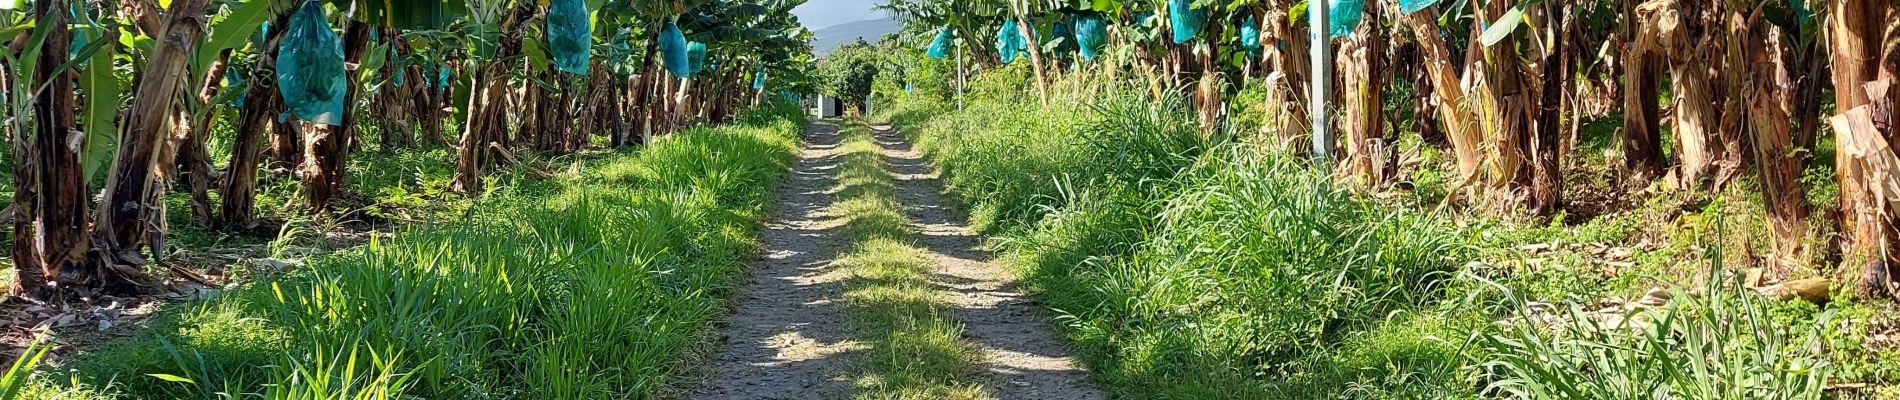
x,y
1187,266
595,285
1717,342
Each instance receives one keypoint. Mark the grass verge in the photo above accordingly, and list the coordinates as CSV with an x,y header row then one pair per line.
x,y
592,285
1185,266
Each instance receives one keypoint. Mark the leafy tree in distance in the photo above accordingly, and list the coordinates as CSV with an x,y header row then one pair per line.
x,y
849,71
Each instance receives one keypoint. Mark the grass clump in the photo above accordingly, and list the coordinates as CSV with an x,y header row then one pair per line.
x,y
1716,343
1188,266
591,285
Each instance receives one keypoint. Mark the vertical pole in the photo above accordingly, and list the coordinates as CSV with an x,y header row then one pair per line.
x,y
1322,75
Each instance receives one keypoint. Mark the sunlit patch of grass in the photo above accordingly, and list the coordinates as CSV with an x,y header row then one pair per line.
x,y
1187,266
915,347
591,285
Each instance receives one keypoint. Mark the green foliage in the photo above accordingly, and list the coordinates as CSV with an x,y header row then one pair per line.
x,y
848,72
15,377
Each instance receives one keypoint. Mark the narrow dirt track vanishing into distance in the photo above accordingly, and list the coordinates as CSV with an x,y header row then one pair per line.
x,y
787,338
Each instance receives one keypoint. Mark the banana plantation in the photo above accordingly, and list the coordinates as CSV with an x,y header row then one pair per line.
x,y
980,199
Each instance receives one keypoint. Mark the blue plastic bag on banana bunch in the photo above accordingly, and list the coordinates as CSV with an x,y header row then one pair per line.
x,y
1186,19
1250,36
1091,34
695,58
570,35
940,48
1009,41
1344,15
758,79
1412,6
84,35
310,67
1066,33
234,80
673,51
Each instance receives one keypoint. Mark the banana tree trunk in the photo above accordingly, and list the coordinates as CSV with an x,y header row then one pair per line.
x,y
1286,55
1453,108
194,159
132,211
641,102
50,243
1642,120
1035,57
1697,116
1504,108
486,105
400,110
1365,108
1777,162
1854,46
1547,183
327,147
238,193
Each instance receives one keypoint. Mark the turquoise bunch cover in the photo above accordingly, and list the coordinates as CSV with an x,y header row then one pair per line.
x,y
1412,6
310,72
83,36
1010,42
233,80
1250,36
1345,16
1066,33
940,47
1091,34
570,35
695,58
1186,19
673,51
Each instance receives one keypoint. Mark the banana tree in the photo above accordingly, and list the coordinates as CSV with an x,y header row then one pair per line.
x,y
131,212
1857,32
50,247
962,19
494,35
54,250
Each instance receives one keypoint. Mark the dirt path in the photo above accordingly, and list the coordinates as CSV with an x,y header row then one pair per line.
x,y
787,338
1022,355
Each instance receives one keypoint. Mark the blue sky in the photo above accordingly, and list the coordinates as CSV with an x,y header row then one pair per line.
x,y
818,14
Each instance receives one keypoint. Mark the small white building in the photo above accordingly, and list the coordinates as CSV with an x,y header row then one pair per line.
x,y
829,107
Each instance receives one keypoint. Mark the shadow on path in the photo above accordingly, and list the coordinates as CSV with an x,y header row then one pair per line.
x,y
785,339
1023,357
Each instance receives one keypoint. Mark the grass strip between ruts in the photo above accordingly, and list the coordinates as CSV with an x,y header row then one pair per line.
x,y
914,347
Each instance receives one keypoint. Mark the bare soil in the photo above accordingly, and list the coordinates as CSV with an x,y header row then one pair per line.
x,y
1023,357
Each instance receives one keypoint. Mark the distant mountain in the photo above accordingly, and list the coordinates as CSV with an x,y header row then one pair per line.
x,y
826,39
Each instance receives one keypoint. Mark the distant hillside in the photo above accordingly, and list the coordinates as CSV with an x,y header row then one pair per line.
x,y
824,40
